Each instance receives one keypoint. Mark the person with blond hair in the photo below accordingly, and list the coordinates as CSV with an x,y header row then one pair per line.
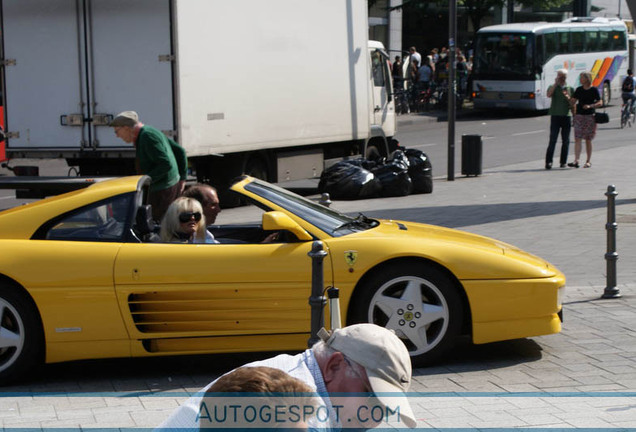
x,y
184,222
585,100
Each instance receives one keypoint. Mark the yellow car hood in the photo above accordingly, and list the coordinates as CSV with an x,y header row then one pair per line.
x,y
470,256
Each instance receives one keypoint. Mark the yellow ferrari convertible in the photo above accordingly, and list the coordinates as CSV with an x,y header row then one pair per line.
x,y
83,277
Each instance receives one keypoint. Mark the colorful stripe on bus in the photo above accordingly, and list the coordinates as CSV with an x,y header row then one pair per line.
x,y
605,70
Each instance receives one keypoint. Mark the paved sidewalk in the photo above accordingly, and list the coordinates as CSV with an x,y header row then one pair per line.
x,y
584,377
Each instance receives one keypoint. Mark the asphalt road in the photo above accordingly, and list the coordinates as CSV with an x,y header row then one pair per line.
x,y
508,137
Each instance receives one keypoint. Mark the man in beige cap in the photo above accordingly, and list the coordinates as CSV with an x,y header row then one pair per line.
x,y
157,156
361,372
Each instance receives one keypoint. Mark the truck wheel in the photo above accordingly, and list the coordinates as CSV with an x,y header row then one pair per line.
x,y
21,340
418,302
256,166
372,153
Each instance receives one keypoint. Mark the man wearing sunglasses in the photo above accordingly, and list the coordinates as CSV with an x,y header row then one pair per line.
x,y
208,198
359,371
156,155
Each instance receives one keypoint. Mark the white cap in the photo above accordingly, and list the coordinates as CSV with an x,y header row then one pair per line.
x,y
385,359
125,118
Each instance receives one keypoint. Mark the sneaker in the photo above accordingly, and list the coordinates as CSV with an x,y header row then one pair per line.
x,y
548,165
562,166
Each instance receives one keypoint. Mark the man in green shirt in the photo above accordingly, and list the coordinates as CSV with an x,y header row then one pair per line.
x,y
560,118
156,155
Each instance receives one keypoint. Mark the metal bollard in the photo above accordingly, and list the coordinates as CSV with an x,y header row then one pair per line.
x,y
317,300
611,256
325,200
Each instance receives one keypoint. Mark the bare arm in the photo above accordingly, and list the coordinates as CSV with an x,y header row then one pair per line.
x,y
573,103
550,91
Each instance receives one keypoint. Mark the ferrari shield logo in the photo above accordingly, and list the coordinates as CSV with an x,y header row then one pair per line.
x,y
351,257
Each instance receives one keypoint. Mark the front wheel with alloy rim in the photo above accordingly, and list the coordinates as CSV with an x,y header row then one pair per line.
x,y
20,335
416,300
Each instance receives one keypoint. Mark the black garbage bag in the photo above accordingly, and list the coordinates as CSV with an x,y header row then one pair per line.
x,y
348,180
394,175
420,171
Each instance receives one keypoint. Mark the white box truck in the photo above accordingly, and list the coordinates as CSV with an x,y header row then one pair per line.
x,y
269,88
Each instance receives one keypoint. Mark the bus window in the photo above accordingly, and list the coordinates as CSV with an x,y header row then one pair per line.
x,y
540,49
577,39
617,40
551,46
563,42
592,41
604,40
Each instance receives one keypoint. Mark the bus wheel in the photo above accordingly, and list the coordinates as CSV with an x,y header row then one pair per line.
x,y
607,94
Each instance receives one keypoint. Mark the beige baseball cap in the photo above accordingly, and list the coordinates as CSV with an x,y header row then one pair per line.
x,y
125,118
385,359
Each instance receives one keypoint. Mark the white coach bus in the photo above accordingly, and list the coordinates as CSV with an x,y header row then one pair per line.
x,y
514,64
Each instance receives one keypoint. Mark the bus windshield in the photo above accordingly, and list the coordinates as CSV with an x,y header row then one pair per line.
x,y
505,56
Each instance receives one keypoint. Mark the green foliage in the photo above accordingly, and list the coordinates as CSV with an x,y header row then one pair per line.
x,y
476,9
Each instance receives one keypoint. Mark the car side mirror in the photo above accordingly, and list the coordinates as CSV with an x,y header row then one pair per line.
x,y
275,221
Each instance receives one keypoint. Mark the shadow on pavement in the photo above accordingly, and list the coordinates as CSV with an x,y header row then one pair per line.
x,y
156,374
162,374
455,216
472,114
466,357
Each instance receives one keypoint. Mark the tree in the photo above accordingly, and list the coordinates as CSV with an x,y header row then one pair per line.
x,y
476,9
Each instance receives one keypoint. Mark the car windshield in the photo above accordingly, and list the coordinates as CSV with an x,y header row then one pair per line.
x,y
328,220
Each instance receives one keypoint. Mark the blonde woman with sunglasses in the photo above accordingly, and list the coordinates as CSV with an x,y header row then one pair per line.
x,y
184,222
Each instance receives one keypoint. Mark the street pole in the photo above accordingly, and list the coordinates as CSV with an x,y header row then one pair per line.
x,y
452,35
317,300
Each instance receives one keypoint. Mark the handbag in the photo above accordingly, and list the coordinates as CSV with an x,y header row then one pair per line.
x,y
601,117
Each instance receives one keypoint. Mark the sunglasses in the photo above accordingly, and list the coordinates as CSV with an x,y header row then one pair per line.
x,y
186,217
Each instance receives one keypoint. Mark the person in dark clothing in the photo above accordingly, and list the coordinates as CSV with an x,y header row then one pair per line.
x,y
560,118
585,99
397,72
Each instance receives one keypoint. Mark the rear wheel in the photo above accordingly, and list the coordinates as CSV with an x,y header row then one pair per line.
x,y
418,301
256,166
232,166
20,334
624,116
607,94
